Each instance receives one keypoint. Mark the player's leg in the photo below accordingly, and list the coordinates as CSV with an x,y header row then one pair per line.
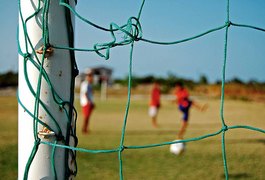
x,y
90,109
182,130
154,121
85,110
153,114
184,122
200,107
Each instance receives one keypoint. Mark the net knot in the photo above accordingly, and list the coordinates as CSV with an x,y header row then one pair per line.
x,y
224,128
121,148
228,23
132,32
61,105
37,141
26,55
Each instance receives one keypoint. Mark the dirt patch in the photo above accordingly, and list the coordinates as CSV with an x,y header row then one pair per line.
x,y
9,91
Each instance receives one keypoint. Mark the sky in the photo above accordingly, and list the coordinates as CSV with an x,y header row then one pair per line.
x,y
169,20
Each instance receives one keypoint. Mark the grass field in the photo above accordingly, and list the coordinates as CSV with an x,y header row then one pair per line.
x,y
201,160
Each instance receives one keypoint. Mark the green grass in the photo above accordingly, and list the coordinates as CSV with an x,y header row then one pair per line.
x,y
201,160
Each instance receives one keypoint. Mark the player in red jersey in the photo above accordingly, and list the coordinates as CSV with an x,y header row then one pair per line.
x,y
154,104
184,104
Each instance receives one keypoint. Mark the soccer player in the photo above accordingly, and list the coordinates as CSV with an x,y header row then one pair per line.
x,y
154,104
184,104
87,100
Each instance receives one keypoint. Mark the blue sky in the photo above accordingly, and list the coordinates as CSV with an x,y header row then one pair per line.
x,y
162,21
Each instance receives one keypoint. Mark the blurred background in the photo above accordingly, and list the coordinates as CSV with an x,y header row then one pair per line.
x,y
197,63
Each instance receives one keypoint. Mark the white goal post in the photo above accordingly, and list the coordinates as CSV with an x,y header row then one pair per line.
x,y
57,65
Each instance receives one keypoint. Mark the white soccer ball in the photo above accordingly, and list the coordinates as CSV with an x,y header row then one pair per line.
x,y
177,148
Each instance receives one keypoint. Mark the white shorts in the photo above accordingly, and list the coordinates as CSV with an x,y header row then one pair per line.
x,y
153,110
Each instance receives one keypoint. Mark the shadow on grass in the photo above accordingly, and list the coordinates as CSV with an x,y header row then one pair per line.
x,y
170,132
8,162
133,132
238,176
242,141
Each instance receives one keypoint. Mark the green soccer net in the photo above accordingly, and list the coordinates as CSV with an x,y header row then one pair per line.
x,y
132,33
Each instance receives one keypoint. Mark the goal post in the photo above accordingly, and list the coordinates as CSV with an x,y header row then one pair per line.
x,y
45,93
47,69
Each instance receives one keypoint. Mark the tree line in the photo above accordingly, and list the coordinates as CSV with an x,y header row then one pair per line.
x,y
10,79
172,79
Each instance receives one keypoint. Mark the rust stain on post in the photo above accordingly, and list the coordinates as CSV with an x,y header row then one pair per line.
x,y
48,52
46,133
60,73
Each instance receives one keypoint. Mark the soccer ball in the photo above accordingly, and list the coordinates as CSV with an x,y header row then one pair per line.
x,y
177,148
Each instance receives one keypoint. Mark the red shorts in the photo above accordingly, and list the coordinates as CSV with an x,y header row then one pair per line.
x,y
87,110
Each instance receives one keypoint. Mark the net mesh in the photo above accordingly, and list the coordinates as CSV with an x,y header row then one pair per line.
x,y
132,34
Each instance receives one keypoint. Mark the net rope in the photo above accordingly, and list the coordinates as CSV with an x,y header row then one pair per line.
x,y
132,34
